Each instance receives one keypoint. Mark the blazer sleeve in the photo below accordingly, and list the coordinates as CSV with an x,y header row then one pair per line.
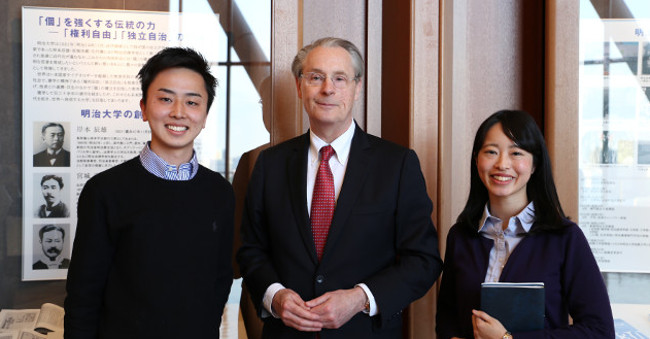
x,y
92,256
418,262
447,325
253,255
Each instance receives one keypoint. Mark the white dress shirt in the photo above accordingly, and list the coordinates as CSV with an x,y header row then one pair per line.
x,y
338,164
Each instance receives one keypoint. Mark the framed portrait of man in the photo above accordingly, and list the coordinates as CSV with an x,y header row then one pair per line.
x,y
51,246
51,145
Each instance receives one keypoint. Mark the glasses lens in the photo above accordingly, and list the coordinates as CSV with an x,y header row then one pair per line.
x,y
315,79
339,81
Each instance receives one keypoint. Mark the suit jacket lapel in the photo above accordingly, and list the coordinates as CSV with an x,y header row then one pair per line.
x,y
297,179
355,174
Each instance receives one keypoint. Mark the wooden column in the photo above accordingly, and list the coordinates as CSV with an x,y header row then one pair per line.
x,y
410,45
286,114
561,123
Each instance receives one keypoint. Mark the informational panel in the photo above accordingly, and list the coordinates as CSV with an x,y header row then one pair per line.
x,y
615,142
81,112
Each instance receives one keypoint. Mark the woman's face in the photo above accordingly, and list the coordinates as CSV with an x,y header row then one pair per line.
x,y
504,168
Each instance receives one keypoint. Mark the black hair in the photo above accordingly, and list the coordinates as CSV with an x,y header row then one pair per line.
x,y
52,124
520,127
49,228
173,57
52,177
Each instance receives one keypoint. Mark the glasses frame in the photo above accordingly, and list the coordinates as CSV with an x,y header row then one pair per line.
x,y
307,77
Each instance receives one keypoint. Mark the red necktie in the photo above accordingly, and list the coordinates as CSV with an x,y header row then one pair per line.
x,y
323,201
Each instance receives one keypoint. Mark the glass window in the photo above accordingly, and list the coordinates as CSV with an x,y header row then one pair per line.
x,y
243,70
614,139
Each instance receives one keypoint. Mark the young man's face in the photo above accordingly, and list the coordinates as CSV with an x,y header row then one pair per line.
x,y
176,109
53,138
51,192
52,244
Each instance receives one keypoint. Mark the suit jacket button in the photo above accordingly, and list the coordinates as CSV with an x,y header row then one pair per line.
x,y
320,279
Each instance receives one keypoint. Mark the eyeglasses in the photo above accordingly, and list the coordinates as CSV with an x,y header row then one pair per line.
x,y
314,79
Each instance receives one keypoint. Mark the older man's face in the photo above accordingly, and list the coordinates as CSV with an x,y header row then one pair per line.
x,y
53,138
328,106
52,244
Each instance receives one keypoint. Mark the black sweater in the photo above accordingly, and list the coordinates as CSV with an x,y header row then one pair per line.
x,y
151,257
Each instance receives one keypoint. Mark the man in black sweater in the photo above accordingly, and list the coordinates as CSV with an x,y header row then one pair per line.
x,y
152,252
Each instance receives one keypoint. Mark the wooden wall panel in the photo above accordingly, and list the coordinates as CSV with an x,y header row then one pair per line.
x,y
484,68
338,18
396,72
396,106
286,117
562,99
532,46
410,109
373,67
424,133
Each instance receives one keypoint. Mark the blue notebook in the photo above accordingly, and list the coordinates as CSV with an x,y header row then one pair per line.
x,y
518,306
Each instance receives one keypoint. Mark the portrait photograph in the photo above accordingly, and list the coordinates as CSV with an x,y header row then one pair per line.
x,y
51,144
51,246
51,195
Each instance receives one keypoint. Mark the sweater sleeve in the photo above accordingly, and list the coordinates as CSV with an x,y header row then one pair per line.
x,y
585,294
92,256
224,264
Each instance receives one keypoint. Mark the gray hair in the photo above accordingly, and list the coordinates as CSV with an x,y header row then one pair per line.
x,y
357,59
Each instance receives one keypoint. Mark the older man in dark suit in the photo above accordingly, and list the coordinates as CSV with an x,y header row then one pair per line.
x,y
337,237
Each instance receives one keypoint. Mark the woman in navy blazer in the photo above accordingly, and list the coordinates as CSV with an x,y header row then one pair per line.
x,y
513,203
